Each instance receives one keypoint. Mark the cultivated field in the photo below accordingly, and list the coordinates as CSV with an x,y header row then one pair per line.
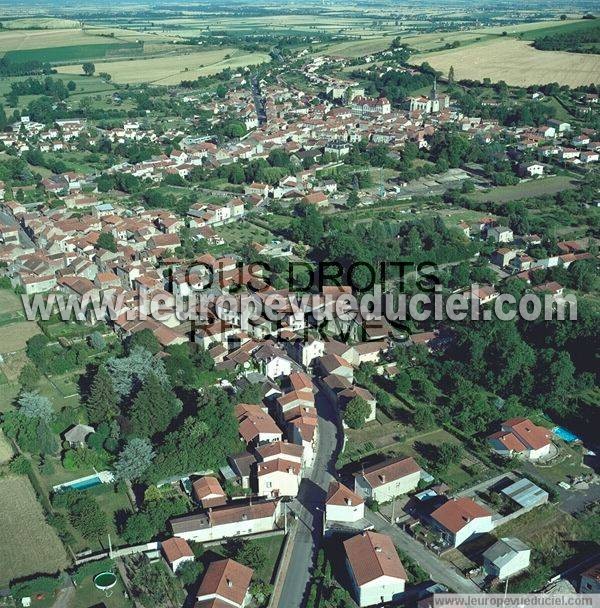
x,y
175,68
515,62
358,48
14,336
25,40
28,544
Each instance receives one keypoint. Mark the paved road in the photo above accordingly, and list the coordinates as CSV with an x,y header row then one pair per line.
x,y
308,508
439,570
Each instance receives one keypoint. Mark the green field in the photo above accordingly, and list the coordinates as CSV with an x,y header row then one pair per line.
x,y
533,188
82,52
28,544
564,27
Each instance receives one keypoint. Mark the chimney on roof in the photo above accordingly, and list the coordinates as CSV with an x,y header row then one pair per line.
x,y
382,477
229,583
349,501
378,549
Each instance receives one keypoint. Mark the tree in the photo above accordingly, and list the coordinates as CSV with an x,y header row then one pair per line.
x,y
356,413
97,341
34,405
252,555
88,68
107,241
29,377
144,339
447,454
128,373
423,418
352,200
134,459
102,403
451,74
153,408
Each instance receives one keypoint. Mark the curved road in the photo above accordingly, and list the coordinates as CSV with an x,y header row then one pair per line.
x,y
308,508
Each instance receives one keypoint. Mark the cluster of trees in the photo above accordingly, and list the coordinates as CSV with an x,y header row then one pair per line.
x,y
396,86
269,171
8,67
53,358
52,87
576,41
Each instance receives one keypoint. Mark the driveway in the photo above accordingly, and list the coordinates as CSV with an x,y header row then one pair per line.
x,y
439,570
308,509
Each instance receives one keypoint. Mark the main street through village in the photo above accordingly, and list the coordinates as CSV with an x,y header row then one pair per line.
x,y
308,512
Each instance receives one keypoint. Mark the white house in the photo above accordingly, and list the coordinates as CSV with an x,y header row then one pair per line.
x,y
460,519
383,482
506,558
520,436
273,362
228,521
343,505
176,552
376,572
531,169
500,234
278,477
225,583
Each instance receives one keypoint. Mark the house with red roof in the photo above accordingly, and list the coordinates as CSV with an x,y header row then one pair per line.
x,y
383,482
176,551
521,437
376,572
460,519
225,584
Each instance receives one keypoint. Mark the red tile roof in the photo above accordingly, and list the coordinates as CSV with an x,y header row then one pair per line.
x,y
372,555
175,548
391,470
338,494
227,579
455,514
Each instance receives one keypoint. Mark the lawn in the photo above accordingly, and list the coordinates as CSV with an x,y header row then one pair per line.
x,y
29,545
14,336
238,233
9,302
6,451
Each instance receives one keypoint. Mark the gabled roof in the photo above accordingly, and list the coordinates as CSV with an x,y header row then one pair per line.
x,y
390,470
455,514
339,495
175,548
227,579
372,555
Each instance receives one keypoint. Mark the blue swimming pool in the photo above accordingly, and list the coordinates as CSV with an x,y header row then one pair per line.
x,y
85,484
564,434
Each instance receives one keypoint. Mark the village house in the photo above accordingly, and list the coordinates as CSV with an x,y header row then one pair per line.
x,y
241,518
500,234
376,572
255,425
343,505
385,481
226,583
176,552
520,436
460,519
208,492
